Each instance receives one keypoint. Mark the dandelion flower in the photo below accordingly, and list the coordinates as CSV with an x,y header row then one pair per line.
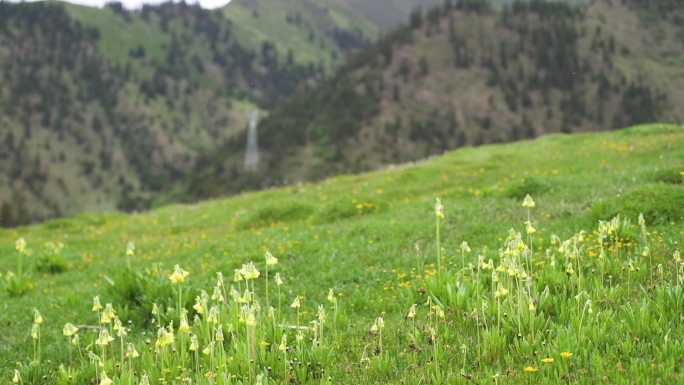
x,y
529,369
69,330
548,360
270,259
565,354
528,202
178,275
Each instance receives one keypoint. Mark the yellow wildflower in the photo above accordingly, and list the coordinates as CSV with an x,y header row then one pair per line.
x,y
193,343
439,209
270,259
529,369
178,275
528,202
35,329
209,348
566,354
548,360
104,338
96,304
69,330
20,245
412,312
144,380
130,249
283,343
107,314
249,271
105,380
296,304
37,317
500,292
164,337
131,352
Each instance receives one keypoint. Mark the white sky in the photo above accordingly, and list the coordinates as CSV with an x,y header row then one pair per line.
x,y
133,4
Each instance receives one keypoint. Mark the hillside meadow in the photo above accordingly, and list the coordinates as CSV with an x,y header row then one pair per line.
x,y
549,261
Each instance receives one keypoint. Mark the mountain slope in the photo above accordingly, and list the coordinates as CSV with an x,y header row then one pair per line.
x,y
309,32
467,76
104,108
371,238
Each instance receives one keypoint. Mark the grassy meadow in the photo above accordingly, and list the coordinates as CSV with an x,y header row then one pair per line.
x,y
376,281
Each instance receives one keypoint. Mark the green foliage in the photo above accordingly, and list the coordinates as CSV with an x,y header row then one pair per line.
x,y
138,290
50,259
346,208
669,176
528,69
659,203
379,264
529,185
276,213
18,284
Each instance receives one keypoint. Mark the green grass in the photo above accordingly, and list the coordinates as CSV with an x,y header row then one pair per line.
x,y
371,238
270,24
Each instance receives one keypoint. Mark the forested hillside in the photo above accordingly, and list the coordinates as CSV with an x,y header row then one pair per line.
x,y
104,108
466,74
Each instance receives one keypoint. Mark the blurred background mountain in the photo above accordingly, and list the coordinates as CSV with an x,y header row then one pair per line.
x,y
111,108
